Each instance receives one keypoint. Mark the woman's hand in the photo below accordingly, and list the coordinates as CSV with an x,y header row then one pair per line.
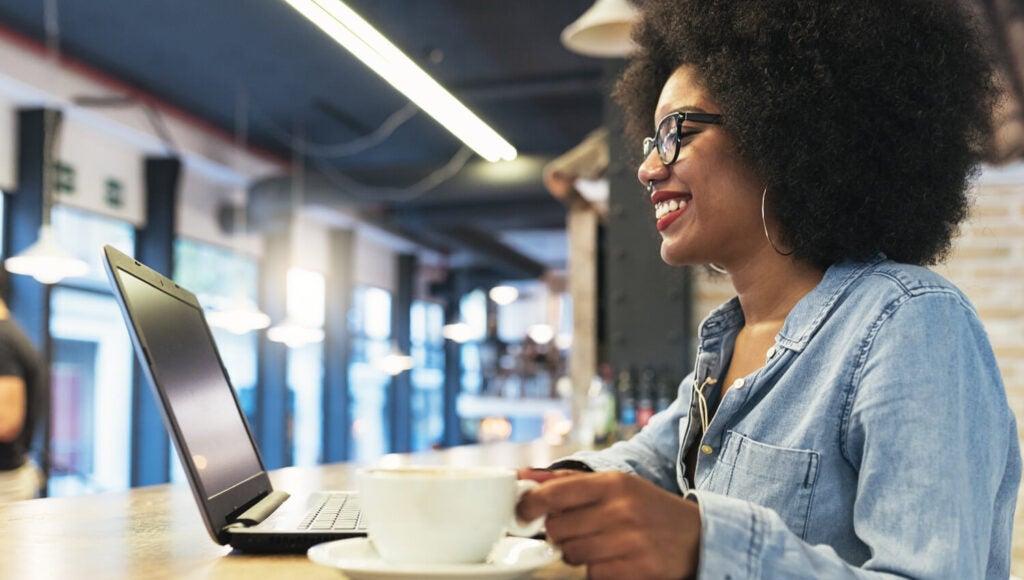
x,y
618,525
541,475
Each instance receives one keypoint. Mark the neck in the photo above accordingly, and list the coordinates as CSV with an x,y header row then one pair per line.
x,y
769,285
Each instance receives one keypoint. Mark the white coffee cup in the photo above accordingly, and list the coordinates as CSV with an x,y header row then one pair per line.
x,y
441,515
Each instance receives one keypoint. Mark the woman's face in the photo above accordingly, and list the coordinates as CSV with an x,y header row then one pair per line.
x,y
706,205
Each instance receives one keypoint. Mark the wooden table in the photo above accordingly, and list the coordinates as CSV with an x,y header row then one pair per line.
x,y
156,532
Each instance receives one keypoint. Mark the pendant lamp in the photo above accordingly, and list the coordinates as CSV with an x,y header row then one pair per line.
x,y
395,362
240,315
45,260
603,30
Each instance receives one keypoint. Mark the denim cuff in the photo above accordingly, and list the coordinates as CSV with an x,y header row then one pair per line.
x,y
732,537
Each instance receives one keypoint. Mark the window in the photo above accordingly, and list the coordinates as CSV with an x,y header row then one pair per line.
x,y
473,311
217,276
83,235
427,378
306,293
91,364
370,328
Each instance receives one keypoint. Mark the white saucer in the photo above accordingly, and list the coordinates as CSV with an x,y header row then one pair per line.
x,y
510,558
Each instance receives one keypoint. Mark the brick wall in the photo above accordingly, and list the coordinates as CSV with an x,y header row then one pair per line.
x,y
987,263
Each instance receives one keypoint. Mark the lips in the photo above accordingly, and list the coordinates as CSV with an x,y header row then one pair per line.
x,y
668,206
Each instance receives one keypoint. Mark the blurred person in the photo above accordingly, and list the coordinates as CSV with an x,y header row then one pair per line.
x,y
22,390
845,417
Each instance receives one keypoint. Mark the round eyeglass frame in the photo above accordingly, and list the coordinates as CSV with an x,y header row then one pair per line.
x,y
661,135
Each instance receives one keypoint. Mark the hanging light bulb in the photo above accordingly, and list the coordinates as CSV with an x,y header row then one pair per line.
x,y
295,335
46,261
540,333
504,295
240,317
395,362
459,332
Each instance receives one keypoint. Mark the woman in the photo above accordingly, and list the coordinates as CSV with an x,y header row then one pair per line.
x,y
846,416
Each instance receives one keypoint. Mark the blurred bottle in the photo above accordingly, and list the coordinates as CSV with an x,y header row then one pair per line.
x,y
601,407
627,405
645,398
611,416
595,427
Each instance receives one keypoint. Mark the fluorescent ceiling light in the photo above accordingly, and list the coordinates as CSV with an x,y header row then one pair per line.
x,y
375,51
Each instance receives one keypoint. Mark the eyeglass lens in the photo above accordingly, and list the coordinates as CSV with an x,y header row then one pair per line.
x,y
666,140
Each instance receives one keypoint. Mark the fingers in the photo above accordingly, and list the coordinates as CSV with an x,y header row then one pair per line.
x,y
619,525
587,520
587,545
568,493
541,475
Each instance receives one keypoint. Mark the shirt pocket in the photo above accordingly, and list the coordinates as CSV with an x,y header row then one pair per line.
x,y
778,478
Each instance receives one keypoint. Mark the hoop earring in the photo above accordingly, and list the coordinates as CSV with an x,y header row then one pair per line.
x,y
765,225
717,268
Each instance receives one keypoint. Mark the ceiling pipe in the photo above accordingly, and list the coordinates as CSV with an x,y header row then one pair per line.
x,y
476,204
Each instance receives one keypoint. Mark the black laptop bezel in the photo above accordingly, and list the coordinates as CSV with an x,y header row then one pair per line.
x,y
219,510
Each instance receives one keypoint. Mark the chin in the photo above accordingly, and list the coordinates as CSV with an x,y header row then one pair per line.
x,y
672,258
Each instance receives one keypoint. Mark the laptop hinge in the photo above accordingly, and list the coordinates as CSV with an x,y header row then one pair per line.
x,y
260,511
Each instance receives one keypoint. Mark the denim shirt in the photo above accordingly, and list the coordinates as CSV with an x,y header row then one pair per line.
x,y
876,441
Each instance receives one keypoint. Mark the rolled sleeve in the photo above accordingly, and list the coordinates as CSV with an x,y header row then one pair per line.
x,y
731,537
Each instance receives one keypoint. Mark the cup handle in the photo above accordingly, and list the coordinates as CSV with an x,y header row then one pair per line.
x,y
517,527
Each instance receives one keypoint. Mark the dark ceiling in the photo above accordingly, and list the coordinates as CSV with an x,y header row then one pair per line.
x,y
215,58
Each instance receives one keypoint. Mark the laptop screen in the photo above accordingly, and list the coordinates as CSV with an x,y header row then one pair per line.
x,y
199,398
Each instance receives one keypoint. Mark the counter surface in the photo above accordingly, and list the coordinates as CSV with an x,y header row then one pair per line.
x,y
156,532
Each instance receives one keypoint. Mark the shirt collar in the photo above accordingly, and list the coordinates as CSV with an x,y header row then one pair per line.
x,y
812,310
805,318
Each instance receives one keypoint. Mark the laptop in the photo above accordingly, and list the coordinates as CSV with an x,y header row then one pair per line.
x,y
205,420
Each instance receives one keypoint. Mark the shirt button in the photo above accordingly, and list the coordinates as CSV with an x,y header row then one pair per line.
x,y
771,352
706,449
738,384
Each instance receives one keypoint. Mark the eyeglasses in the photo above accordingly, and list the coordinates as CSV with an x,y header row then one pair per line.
x,y
670,134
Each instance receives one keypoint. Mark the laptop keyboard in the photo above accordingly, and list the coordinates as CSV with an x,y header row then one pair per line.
x,y
337,512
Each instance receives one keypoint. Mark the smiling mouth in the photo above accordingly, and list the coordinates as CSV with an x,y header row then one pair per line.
x,y
662,209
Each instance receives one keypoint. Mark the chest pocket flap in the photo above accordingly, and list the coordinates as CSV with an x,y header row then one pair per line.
x,y
778,478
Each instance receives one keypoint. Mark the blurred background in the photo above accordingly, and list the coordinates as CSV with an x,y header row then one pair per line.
x,y
381,274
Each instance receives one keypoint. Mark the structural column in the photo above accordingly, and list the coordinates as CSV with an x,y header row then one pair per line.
x,y
272,387
400,397
30,301
154,246
340,288
648,302
582,228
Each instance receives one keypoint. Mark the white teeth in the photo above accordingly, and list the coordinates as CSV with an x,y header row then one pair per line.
x,y
664,208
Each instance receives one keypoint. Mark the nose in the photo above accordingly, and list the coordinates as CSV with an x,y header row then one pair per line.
x,y
651,169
